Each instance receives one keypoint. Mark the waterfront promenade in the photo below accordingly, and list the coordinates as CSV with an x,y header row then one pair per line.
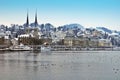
x,y
64,48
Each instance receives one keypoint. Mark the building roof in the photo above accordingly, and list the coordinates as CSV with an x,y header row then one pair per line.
x,y
24,35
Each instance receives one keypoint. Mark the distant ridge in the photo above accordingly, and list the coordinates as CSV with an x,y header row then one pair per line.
x,y
103,29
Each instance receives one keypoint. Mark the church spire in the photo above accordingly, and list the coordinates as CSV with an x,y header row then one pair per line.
x,y
36,23
27,22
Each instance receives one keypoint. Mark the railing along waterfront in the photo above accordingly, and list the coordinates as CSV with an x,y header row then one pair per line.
x,y
69,48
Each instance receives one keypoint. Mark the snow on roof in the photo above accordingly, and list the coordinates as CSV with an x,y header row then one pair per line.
x,y
24,35
6,37
2,34
8,32
105,40
16,39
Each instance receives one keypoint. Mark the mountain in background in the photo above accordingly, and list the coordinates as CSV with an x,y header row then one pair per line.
x,y
103,29
71,26
49,27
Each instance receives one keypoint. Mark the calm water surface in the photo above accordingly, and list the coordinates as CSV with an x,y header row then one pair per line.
x,y
83,65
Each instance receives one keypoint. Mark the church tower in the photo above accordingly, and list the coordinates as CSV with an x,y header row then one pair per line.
x,y
36,23
36,27
27,24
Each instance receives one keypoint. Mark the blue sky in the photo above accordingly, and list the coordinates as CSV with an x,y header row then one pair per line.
x,y
89,13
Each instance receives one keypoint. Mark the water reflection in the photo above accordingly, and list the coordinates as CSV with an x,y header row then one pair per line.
x,y
60,65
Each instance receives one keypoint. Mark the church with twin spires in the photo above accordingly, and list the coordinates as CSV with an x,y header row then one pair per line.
x,y
34,30
32,34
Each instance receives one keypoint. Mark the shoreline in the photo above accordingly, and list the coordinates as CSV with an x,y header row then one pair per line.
x,y
67,49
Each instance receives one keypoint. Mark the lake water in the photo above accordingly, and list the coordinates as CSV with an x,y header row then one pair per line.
x,y
70,65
